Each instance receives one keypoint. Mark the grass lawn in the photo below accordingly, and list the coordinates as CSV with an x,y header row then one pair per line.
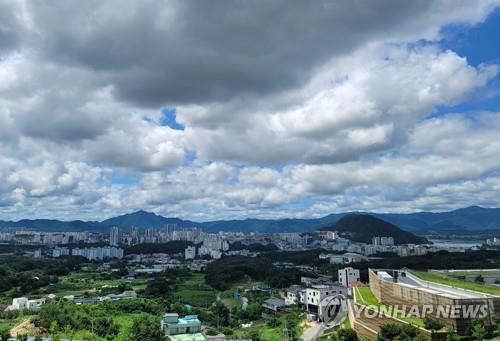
x,y
365,296
196,298
196,279
125,322
483,272
9,324
455,282
346,324
193,291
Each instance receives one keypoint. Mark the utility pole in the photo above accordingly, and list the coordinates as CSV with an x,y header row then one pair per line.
x,y
287,333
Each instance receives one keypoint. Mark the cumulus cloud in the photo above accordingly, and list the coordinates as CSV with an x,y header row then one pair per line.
x,y
356,105
288,109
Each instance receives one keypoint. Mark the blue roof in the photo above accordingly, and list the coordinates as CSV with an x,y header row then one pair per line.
x,y
189,319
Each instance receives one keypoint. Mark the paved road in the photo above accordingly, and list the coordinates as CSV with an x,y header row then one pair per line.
x,y
312,333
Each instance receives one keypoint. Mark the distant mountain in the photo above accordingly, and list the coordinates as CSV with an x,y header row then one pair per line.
x,y
471,219
465,220
52,225
259,225
143,219
363,227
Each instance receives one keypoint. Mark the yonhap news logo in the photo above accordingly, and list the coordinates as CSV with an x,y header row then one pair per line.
x,y
332,308
457,311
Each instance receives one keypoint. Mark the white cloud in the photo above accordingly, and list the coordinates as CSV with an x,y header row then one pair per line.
x,y
335,118
357,105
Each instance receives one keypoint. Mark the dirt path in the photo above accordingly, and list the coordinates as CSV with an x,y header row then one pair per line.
x,y
23,328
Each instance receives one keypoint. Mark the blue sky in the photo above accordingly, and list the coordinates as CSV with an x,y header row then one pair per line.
x,y
479,44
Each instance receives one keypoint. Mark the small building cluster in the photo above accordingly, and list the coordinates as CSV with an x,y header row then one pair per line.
x,y
91,253
314,294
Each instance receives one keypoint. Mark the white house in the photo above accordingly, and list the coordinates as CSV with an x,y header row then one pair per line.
x,y
19,303
293,294
315,296
36,304
348,276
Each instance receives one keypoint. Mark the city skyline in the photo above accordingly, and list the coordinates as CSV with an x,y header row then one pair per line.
x,y
209,111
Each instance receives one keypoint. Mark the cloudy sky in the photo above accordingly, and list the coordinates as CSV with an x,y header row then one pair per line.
x,y
234,109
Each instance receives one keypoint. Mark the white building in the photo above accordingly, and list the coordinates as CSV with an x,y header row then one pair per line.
x,y
293,295
36,304
383,241
114,236
190,252
493,241
347,258
316,297
19,303
348,276
60,252
98,253
332,235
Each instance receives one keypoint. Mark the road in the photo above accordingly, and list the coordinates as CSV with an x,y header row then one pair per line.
x,y
312,332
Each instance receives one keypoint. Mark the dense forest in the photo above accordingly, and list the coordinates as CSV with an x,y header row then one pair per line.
x,y
28,274
220,274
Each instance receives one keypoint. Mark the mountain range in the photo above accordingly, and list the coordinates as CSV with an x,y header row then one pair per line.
x,y
466,220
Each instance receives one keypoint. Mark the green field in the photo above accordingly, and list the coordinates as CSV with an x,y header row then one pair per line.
x,y
455,282
196,298
192,290
493,272
124,321
364,296
9,324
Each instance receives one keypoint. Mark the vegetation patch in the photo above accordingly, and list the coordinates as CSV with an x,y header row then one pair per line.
x,y
455,282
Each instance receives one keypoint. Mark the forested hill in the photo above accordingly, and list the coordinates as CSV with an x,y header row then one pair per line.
x,y
363,227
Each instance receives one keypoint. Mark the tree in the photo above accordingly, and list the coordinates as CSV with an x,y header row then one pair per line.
x,y
496,332
389,332
146,328
452,336
432,324
54,327
397,332
273,322
254,335
347,335
479,332
4,334
221,314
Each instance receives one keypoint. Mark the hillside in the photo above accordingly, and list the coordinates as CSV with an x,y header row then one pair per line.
x,y
363,227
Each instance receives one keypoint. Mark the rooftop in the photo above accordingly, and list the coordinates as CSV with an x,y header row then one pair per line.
x,y
186,337
189,319
437,285
454,288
